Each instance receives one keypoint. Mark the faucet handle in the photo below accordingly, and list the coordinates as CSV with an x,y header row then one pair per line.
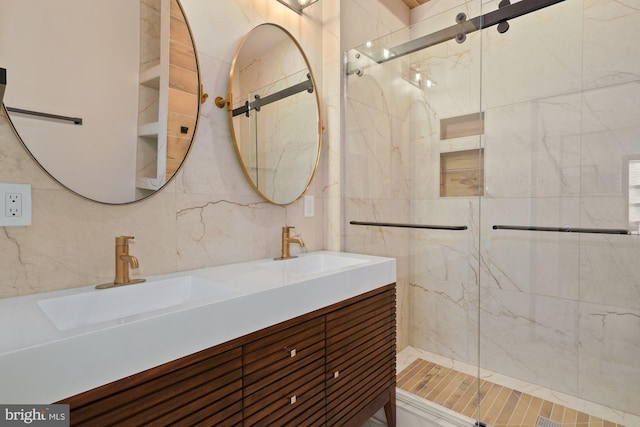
x,y
123,240
287,228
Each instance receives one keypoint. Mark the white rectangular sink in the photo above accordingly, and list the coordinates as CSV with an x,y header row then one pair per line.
x,y
65,342
313,263
96,306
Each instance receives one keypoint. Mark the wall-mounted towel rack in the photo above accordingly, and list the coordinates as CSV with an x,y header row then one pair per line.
x,y
401,225
75,120
563,229
259,102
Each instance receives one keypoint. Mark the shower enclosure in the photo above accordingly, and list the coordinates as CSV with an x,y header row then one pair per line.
x,y
498,160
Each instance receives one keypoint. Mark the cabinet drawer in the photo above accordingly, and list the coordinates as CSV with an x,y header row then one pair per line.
x,y
279,354
298,397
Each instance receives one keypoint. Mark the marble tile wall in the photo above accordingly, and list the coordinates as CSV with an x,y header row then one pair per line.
x,y
559,94
208,215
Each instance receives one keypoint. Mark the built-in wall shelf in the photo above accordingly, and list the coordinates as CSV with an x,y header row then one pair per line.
x,y
460,126
462,156
150,77
148,183
169,93
155,16
149,129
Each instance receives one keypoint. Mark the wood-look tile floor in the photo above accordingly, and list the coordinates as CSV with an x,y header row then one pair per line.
x,y
499,406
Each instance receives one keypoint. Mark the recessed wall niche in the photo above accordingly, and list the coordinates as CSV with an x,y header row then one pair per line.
x,y
462,171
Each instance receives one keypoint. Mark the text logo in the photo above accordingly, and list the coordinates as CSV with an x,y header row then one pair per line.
x,y
34,415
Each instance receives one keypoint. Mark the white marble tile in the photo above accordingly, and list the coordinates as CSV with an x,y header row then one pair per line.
x,y
66,247
373,154
530,337
610,132
211,166
454,70
609,356
611,45
445,318
533,148
609,270
529,63
368,20
215,231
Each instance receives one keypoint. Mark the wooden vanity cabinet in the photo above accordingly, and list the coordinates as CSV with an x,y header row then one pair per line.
x,y
332,367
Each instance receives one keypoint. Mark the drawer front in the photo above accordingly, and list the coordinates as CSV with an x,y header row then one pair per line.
x,y
282,353
293,400
360,358
184,392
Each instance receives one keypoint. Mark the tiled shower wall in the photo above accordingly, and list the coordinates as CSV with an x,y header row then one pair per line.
x,y
560,93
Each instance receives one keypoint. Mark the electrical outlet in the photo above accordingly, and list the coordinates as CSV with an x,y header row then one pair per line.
x,y
309,210
15,204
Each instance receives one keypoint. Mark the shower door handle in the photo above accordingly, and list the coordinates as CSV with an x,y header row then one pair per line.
x,y
563,229
402,225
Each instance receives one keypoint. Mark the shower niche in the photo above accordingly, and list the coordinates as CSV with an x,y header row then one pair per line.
x,y
461,169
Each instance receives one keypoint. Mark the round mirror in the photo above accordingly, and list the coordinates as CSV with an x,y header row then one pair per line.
x,y
105,95
274,111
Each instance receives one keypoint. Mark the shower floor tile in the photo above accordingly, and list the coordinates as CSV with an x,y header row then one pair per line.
x,y
499,406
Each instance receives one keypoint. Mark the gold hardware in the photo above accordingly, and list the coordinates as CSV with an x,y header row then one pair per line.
x,y
293,353
336,374
285,253
203,95
221,102
293,399
123,262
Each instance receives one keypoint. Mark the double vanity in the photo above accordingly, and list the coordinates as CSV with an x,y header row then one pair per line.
x,y
303,341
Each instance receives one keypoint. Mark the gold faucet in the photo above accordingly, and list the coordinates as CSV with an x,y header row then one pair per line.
x,y
123,262
286,242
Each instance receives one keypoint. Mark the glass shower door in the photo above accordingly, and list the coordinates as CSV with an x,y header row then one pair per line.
x,y
559,275
414,181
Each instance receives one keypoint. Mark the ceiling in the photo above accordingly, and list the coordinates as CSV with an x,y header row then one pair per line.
x,y
414,3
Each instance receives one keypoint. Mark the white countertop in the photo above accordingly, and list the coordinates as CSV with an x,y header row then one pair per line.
x,y
40,364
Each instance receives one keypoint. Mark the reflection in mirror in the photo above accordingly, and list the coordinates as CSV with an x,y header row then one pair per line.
x,y
275,114
127,69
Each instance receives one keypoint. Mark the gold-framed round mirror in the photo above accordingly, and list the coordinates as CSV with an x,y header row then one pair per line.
x,y
104,95
274,114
